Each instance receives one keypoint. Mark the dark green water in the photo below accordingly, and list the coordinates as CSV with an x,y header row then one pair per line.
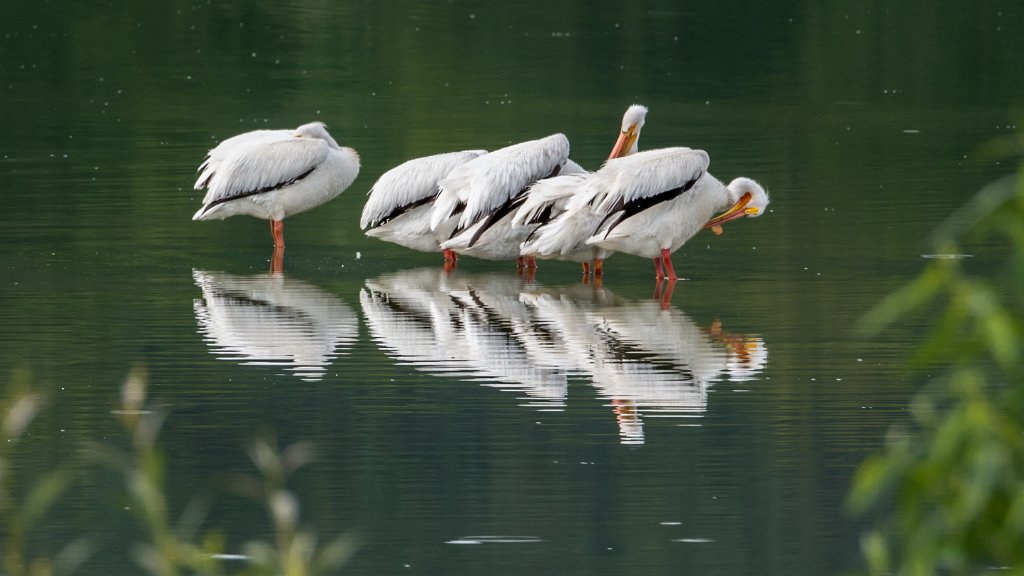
x,y
475,423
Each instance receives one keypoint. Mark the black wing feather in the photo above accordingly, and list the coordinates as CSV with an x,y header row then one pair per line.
x,y
626,210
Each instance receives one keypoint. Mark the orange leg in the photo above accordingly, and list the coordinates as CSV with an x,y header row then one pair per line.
x,y
531,262
586,269
451,259
657,269
667,297
670,271
277,231
277,260
530,274
598,266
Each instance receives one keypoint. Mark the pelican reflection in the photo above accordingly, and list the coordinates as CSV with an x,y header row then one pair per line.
x,y
496,329
645,360
469,326
270,319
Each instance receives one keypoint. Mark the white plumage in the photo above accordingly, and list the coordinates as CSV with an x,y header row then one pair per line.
x,y
547,196
400,202
272,174
645,175
508,222
484,184
563,235
652,202
496,236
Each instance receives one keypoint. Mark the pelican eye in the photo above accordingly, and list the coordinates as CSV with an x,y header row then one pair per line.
x,y
752,210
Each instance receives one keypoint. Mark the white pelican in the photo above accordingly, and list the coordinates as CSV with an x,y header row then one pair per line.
x,y
565,238
653,202
484,193
272,174
401,200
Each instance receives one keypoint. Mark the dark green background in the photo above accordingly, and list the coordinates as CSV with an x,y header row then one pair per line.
x,y
864,120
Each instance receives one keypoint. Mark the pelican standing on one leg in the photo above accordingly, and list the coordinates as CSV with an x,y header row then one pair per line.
x,y
272,174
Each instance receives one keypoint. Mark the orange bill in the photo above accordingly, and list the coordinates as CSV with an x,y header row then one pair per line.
x,y
737,211
624,143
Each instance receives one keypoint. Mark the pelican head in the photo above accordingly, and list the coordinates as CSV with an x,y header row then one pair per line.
x,y
632,122
316,130
748,199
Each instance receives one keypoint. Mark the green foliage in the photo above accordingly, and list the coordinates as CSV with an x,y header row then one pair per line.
x,y
294,551
171,549
25,501
173,545
949,490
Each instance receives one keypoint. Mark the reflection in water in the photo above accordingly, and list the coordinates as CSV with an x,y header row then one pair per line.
x,y
270,319
494,328
470,325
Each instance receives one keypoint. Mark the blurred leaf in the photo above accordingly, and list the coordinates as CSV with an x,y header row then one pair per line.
x,y
296,456
152,561
20,414
869,483
261,554
1000,148
986,202
910,297
876,551
192,519
264,456
133,397
951,491
284,508
335,554
44,492
72,556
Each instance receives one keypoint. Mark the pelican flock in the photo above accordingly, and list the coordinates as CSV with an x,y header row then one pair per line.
x,y
522,202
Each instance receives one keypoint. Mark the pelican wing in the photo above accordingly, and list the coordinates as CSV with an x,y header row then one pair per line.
x,y
410,184
548,198
216,156
646,178
571,167
260,164
488,182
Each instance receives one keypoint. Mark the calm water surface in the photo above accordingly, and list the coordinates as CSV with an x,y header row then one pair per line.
x,y
481,421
